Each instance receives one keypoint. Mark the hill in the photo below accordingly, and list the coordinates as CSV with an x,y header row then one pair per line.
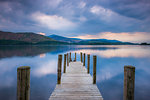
x,y
64,39
10,38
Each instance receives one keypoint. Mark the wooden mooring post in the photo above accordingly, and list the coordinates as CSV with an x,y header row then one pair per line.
x,y
23,83
84,59
94,69
70,57
64,63
81,56
88,63
59,69
129,78
67,60
75,56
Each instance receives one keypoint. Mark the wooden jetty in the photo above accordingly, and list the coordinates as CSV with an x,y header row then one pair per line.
x,y
76,84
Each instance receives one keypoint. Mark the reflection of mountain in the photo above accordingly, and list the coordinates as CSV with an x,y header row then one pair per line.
x,y
9,51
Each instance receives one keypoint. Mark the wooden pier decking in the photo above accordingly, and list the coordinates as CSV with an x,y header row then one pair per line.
x,y
76,84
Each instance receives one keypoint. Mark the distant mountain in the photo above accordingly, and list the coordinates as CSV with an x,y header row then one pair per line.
x,y
87,41
64,39
103,42
29,38
25,38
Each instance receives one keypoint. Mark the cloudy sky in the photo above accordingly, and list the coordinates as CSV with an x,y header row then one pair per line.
x,y
125,20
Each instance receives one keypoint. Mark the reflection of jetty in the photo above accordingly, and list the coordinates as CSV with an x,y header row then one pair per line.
x,y
76,83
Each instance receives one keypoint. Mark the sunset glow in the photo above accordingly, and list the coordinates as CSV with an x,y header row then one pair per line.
x,y
124,36
41,33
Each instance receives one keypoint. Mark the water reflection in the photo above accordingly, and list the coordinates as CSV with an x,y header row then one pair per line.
x,y
25,51
126,51
42,55
43,62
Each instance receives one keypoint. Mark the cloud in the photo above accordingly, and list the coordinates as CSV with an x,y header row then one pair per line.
x,y
82,4
111,18
106,15
82,19
54,3
124,36
53,21
98,10
41,33
89,16
48,5
127,8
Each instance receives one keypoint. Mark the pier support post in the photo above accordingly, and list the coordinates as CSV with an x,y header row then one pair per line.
x,y
67,60
84,60
81,56
23,83
59,69
64,63
129,77
70,57
88,65
75,56
94,69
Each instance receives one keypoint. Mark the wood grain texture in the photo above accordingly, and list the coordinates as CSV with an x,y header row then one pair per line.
x,y
76,84
65,63
129,78
59,69
23,83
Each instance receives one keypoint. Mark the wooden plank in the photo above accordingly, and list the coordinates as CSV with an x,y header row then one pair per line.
x,y
76,84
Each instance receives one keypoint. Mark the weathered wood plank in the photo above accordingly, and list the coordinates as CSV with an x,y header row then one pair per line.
x,y
76,84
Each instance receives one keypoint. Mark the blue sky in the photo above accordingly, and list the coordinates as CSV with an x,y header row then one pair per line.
x,y
125,20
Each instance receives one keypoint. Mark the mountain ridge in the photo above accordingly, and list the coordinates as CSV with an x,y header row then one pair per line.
x,y
30,38
64,39
87,41
25,38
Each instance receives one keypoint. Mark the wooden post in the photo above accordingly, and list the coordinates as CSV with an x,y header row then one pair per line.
x,y
129,77
94,69
23,83
70,57
84,60
88,65
64,63
81,56
59,69
67,60
75,56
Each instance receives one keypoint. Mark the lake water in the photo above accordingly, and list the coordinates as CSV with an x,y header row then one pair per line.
x,y
43,62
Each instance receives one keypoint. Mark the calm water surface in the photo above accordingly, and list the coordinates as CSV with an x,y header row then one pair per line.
x,y
43,62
